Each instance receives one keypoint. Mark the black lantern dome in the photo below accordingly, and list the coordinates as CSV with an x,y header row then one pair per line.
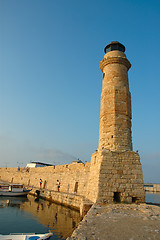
x,y
114,46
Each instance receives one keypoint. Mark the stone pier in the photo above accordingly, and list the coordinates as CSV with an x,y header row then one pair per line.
x,y
119,222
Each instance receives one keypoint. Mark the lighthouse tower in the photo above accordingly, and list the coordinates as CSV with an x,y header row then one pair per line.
x,y
115,115
115,172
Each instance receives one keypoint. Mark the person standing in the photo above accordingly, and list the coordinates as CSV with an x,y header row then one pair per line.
x,y
40,183
58,185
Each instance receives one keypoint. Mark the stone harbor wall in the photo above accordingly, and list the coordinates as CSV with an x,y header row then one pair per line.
x,y
73,177
111,176
152,187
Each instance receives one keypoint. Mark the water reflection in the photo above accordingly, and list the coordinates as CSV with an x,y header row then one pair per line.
x,y
60,220
12,201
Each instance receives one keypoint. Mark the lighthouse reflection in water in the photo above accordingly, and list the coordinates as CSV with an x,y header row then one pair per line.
x,y
30,215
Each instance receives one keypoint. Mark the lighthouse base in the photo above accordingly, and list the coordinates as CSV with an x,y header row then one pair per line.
x,y
115,176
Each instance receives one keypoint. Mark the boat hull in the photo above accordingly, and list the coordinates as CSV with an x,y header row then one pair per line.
x,y
14,194
29,236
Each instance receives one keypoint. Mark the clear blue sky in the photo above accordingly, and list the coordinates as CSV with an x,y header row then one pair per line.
x,y
50,80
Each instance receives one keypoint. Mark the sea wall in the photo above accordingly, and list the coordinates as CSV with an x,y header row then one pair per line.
x,y
149,187
73,177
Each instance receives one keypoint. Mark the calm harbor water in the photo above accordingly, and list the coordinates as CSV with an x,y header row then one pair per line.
x,y
29,215
153,197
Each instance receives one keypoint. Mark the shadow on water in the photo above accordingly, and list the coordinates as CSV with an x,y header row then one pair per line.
x,y
155,204
58,219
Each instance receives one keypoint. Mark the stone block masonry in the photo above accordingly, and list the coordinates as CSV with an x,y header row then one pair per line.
x,y
119,222
115,172
73,177
115,114
119,177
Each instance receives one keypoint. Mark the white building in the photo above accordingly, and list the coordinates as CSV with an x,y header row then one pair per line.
x,y
37,164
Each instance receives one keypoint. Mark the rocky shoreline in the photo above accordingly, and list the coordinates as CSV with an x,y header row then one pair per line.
x,y
119,222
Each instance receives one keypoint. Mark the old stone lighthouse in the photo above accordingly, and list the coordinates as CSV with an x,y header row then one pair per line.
x,y
115,171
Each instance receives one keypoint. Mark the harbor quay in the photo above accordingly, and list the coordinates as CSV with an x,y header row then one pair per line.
x,y
119,222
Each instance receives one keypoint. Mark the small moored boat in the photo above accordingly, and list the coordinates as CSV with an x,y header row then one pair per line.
x,y
13,190
26,236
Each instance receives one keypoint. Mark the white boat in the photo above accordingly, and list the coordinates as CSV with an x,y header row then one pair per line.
x,y
13,190
26,236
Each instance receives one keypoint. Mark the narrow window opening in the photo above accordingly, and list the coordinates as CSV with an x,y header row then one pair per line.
x,y
76,187
45,182
117,197
29,182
